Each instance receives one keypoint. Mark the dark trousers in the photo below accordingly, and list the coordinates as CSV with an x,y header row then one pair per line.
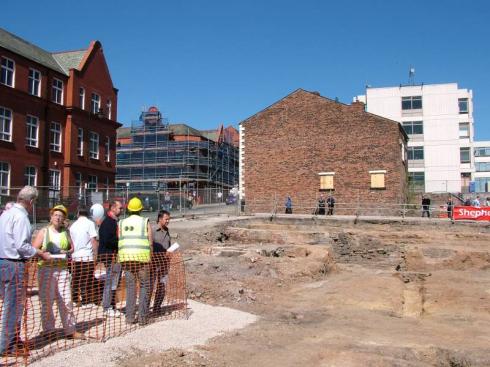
x,y
425,210
12,291
137,271
159,269
330,210
289,210
83,282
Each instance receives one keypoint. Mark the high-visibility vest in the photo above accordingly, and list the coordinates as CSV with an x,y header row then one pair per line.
x,y
133,242
48,246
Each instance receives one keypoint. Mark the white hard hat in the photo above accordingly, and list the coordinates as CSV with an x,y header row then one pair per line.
x,y
97,212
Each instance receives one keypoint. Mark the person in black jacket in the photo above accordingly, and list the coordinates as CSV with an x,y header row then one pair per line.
x,y
321,205
330,204
108,244
425,206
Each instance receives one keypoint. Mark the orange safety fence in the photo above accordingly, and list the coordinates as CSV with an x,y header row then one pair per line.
x,y
47,307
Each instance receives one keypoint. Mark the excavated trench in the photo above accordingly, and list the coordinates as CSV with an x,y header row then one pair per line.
x,y
429,279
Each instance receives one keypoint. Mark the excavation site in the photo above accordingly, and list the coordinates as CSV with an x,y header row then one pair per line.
x,y
323,291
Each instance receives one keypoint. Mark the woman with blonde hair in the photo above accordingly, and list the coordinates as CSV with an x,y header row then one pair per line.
x,y
53,276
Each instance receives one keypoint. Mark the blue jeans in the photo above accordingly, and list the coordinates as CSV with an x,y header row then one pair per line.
x,y
113,272
12,290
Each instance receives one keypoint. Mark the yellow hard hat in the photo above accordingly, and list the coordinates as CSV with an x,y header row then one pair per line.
x,y
135,205
60,208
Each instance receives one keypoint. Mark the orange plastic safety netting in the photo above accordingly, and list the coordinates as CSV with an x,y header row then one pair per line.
x,y
51,306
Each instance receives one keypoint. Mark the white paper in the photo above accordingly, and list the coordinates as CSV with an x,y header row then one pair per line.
x,y
58,256
174,247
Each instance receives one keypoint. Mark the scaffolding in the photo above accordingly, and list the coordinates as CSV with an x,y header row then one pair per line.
x,y
151,160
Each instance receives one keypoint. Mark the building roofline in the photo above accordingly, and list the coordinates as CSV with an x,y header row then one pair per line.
x,y
316,94
401,85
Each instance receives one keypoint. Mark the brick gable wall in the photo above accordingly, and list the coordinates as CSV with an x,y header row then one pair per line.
x,y
288,144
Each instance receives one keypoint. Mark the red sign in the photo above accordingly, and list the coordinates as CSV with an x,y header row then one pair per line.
x,y
471,212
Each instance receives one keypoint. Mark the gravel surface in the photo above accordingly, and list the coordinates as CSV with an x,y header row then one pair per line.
x,y
205,322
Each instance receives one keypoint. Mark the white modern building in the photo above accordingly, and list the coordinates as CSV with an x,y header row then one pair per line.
x,y
438,118
481,150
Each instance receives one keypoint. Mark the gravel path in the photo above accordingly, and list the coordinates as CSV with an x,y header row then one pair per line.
x,y
205,322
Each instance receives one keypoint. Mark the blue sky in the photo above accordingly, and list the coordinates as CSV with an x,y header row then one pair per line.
x,y
211,62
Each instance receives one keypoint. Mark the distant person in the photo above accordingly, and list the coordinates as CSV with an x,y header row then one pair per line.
x,y
467,202
167,201
15,250
219,196
476,202
425,206
321,205
487,202
330,204
450,207
289,205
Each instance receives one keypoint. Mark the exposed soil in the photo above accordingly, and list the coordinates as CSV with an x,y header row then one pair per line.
x,y
334,293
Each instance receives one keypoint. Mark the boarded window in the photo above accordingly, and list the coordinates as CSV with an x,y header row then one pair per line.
x,y
377,179
326,180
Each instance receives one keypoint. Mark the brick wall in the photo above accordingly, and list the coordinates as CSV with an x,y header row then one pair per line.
x,y
290,142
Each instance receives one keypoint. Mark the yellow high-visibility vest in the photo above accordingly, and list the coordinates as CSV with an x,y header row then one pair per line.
x,y
50,247
133,242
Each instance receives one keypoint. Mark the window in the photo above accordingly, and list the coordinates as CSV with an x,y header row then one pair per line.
x,y
412,103
57,91
95,103
32,131
5,124
413,127
78,182
55,137
109,109
94,145
107,149
54,179
107,190
464,155
92,183
81,96
80,142
4,178
463,105
34,82
482,167
416,180
7,72
30,176
464,130
326,180
415,153
378,179
482,152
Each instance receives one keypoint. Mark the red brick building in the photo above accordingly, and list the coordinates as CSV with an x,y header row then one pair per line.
x,y
306,144
58,118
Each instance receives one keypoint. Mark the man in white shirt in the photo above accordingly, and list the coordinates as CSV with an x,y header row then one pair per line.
x,y
15,250
84,237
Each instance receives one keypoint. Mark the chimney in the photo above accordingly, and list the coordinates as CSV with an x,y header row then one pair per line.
x,y
358,106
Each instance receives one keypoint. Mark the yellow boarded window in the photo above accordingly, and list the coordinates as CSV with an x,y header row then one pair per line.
x,y
377,180
326,182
